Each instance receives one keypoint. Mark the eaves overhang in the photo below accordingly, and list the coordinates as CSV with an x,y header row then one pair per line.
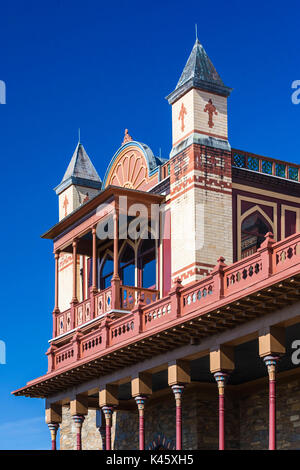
x,y
107,194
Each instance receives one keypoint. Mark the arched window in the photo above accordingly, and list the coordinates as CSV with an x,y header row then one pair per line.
x,y
106,272
147,264
127,266
254,228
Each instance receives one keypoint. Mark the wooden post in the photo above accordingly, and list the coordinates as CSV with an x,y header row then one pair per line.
x,y
78,420
140,401
141,388
221,364
221,379
56,301
74,299
78,410
115,282
53,417
271,342
53,427
178,391
94,280
271,362
108,400
56,256
108,411
178,375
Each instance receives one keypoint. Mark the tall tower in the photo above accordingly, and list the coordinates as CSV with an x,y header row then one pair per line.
x,y
200,177
80,183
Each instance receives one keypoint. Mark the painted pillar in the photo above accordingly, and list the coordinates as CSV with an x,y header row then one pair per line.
x,y
178,391
78,420
102,431
271,362
108,412
140,401
53,427
56,256
221,379
74,299
115,282
94,270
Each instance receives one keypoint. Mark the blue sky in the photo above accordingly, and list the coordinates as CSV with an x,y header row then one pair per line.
x,y
104,67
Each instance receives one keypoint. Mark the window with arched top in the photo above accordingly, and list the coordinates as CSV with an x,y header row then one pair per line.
x,y
254,228
106,271
147,263
127,265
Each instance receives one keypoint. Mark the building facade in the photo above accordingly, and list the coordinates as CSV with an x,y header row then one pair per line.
x,y
176,290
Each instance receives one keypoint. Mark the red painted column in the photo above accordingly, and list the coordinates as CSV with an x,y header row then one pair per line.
x,y
102,431
140,401
271,362
221,379
56,256
53,427
78,420
108,411
56,302
115,281
178,391
94,270
74,299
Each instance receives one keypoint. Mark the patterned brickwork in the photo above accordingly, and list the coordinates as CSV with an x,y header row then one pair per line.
x,y
201,207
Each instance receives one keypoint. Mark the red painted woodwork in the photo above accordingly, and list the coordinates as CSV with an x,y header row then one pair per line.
x,y
140,401
178,391
272,415
166,253
108,411
271,363
221,423
272,263
78,420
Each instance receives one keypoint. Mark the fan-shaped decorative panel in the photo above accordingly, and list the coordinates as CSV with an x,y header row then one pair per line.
x,y
129,171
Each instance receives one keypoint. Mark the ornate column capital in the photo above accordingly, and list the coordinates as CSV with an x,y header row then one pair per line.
x,y
178,391
108,411
53,427
140,401
78,420
221,379
271,363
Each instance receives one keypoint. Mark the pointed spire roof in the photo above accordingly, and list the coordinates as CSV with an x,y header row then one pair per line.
x,y
80,171
199,72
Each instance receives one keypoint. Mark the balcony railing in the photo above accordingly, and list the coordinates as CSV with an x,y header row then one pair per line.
x,y
272,263
82,314
265,165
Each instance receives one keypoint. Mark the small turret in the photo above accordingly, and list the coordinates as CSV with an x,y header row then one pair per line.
x,y
80,183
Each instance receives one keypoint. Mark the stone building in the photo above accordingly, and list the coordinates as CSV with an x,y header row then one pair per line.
x,y
177,290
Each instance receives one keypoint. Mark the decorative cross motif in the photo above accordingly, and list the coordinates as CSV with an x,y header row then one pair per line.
x,y
183,111
65,204
211,110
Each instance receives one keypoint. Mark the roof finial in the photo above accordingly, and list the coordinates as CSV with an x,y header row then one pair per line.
x,y
79,135
196,31
127,137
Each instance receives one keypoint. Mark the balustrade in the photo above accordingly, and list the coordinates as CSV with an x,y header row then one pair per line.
x,y
146,312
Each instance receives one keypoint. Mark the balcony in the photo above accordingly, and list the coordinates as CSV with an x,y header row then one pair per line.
x,y
229,296
83,313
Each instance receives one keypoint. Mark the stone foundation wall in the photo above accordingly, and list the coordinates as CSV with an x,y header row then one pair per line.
x,y
246,421
254,417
